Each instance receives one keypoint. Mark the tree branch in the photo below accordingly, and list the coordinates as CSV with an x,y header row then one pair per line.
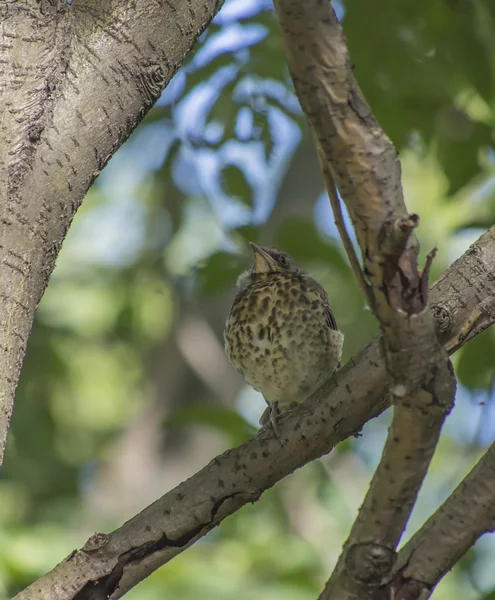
x,y
346,240
75,82
463,518
31,67
364,165
108,566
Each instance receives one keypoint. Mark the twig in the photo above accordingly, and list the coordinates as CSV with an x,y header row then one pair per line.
x,y
346,240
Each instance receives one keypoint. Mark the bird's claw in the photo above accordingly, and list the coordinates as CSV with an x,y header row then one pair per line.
x,y
270,418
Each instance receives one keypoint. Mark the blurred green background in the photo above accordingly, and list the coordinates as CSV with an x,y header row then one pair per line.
x,y
126,391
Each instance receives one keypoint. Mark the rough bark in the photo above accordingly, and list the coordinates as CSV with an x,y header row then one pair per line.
x,y
463,518
364,165
76,79
109,565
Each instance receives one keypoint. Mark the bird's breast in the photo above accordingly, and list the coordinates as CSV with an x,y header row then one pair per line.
x,y
278,338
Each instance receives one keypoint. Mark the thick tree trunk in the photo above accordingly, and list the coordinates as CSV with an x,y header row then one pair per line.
x,y
75,81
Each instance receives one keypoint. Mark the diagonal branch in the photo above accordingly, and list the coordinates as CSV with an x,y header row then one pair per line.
x,y
109,565
363,163
75,81
31,67
463,518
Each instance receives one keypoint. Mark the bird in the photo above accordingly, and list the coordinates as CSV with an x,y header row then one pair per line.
x,y
281,334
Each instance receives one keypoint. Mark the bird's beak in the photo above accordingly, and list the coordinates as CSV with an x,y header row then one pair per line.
x,y
262,261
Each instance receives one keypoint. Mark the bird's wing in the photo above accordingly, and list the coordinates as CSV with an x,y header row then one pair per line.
x,y
329,316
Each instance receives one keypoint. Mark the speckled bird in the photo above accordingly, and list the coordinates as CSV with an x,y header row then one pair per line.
x,y
281,334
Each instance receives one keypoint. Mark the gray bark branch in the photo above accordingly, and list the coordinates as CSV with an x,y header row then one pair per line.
x,y
109,565
76,80
356,154
463,518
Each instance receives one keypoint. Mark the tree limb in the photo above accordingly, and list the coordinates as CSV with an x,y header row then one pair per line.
x,y
76,80
463,518
31,67
364,165
109,565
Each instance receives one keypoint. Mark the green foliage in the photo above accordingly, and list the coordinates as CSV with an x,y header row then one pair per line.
x,y
476,365
300,238
223,419
415,61
236,185
218,272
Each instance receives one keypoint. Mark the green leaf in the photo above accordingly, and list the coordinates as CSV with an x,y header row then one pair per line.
x,y
476,366
157,114
267,135
434,50
219,417
236,185
219,271
267,60
224,111
198,75
300,238
459,143
247,233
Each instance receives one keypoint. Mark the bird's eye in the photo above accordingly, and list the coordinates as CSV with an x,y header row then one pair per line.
x,y
283,260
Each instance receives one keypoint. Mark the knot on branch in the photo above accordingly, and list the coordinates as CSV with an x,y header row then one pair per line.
x,y
405,226
442,317
403,590
151,82
369,562
96,542
394,241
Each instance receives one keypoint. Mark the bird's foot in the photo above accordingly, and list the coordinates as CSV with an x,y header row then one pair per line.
x,y
270,417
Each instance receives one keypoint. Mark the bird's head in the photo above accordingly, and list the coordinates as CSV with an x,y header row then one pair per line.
x,y
267,261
